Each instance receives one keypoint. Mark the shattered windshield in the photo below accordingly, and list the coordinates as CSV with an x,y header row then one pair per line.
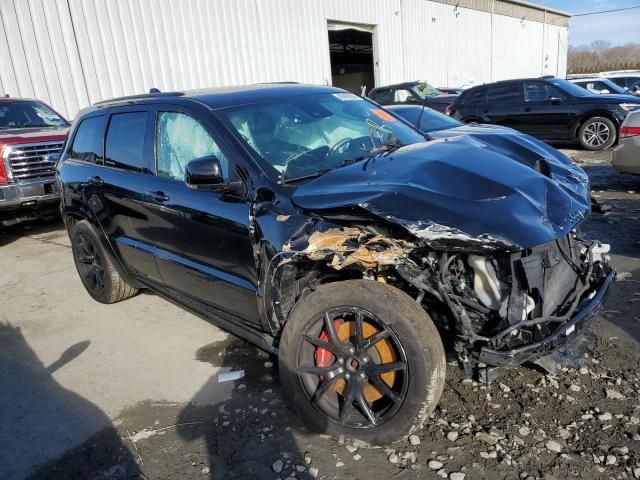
x,y
21,114
306,136
424,90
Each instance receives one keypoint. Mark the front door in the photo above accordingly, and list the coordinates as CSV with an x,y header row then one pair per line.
x,y
202,243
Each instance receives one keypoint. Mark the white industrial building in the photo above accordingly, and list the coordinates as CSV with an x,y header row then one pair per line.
x,y
71,53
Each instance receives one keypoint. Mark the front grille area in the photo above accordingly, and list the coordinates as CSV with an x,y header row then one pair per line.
x,y
28,162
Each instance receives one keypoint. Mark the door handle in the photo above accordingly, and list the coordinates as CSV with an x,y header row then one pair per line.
x,y
95,180
157,196
527,109
486,110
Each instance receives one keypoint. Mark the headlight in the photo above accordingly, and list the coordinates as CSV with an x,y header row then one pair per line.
x,y
629,107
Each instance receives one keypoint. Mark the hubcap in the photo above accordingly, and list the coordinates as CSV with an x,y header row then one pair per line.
x,y
89,263
353,367
596,134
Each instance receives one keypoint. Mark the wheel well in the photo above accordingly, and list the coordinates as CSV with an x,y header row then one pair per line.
x,y
471,119
590,115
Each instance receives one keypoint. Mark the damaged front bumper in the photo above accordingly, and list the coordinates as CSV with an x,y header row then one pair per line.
x,y
563,334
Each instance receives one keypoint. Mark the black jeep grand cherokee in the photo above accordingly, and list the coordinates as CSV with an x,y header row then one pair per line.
x,y
325,229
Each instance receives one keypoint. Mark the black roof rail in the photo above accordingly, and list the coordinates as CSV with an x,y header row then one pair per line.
x,y
141,96
546,77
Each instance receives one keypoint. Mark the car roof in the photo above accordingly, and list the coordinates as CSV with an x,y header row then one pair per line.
x,y
222,97
403,84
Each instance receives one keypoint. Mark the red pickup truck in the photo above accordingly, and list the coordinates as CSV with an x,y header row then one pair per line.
x,y
31,138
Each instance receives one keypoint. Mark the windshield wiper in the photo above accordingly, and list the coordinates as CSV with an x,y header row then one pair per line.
x,y
318,173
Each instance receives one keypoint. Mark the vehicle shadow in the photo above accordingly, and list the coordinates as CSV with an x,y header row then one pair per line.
x,y
253,434
40,420
45,226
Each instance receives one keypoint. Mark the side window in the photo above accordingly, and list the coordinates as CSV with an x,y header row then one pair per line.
x,y
476,96
125,141
535,92
87,141
505,93
402,95
541,92
382,96
620,81
181,138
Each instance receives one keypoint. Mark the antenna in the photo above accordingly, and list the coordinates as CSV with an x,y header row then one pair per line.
x,y
420,116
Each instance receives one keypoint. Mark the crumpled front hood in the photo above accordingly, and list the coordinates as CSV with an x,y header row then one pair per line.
x,y
489,191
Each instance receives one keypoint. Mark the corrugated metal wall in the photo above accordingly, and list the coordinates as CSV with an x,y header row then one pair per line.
x,y
71,53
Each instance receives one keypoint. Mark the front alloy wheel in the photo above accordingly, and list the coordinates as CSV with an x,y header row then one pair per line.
x,y
362,359
353,367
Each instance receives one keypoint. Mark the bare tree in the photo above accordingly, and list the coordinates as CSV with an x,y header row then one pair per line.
x,y
601,56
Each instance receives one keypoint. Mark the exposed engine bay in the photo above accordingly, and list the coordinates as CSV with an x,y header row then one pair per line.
x,y
498,308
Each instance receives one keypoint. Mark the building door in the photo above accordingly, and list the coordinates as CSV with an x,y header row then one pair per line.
x,y
352,57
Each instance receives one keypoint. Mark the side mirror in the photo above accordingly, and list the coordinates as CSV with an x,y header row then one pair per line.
x,y
204,174
554,99
412,100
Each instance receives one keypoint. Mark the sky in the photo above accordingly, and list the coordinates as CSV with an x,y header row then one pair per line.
x,y
617,28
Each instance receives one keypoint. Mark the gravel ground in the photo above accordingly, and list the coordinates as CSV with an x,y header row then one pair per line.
x,y
581,423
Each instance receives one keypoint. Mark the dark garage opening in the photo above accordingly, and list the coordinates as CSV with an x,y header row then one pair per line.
x,y
351,53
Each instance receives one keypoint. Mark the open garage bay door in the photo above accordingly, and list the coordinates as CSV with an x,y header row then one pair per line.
x,y
352,57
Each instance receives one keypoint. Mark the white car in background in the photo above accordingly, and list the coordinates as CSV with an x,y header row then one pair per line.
x,y
599,85
626,156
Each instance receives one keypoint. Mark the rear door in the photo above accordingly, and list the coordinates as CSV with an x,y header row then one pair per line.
x,y
546,112
202,240
122,183
504,105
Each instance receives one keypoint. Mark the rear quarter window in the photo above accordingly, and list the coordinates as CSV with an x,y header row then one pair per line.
x,y
511,92
87,145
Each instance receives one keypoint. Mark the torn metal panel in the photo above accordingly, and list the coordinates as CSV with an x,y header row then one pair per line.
x,y
462,191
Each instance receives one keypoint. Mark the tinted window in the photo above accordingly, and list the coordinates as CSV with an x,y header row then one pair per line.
x,y
382,96
540,92
181,138
620,81
505,93
475,96
87,142
125,141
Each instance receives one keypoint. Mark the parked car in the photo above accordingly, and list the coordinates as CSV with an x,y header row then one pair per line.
x,y
624,79
600,86
31,138
412,92
626,155
327,230
548,108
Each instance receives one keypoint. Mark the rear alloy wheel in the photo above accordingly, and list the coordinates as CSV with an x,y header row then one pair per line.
x,y
597,133
362,359
94,267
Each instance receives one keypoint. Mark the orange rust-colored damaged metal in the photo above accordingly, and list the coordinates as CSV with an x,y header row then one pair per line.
x,y
346,247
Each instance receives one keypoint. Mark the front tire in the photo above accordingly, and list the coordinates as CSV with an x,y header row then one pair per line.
x,y
362,359
597,133
98,275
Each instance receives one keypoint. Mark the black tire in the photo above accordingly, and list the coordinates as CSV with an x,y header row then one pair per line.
x,y
422,380
99,277
597,133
